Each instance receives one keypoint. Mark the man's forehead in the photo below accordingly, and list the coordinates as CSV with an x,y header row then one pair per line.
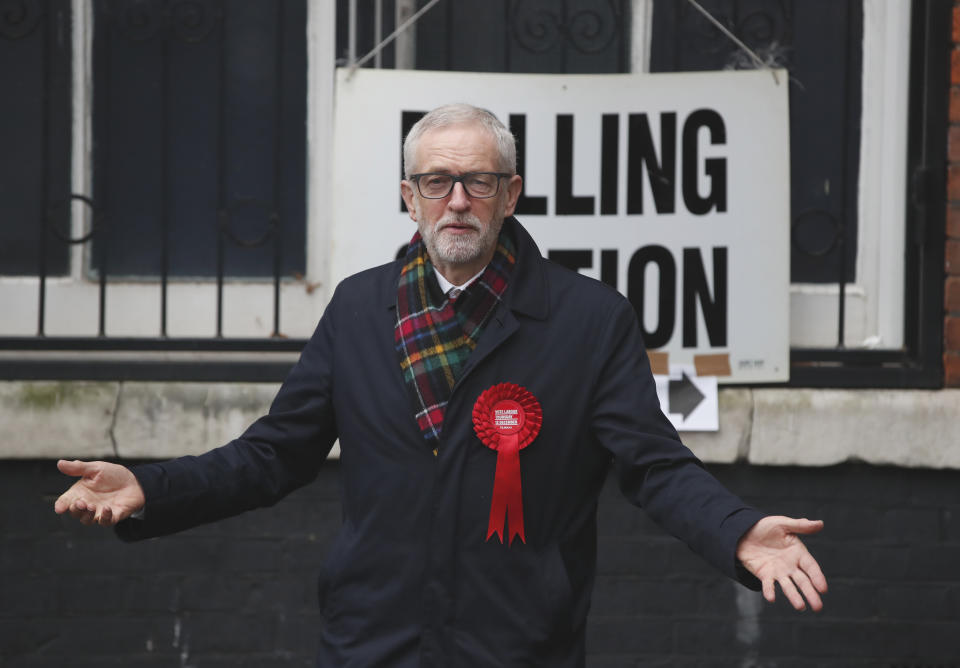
x,y
463,140
459,126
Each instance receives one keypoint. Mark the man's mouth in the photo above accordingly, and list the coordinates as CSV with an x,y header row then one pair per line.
x,y
458,227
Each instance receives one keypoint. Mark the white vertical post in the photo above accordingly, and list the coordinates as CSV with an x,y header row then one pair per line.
x,y
881,192
81,167
321,56
351,32
641,22
378,31
406,44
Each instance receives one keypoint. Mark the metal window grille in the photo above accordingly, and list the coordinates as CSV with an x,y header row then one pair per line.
x,y
919,363
246,221
526,35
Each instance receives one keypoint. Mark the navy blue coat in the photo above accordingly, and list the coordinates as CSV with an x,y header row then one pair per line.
x,y
410,579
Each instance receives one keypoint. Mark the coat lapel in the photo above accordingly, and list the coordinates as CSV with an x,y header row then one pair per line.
x,y
525,296
501,326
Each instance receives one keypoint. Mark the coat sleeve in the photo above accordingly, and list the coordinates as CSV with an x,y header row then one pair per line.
x,y
655,470
278,453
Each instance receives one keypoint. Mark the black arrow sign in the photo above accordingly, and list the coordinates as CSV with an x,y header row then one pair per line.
x,y
684,396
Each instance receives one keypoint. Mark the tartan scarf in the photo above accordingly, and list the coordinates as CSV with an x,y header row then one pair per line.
x,y
434,336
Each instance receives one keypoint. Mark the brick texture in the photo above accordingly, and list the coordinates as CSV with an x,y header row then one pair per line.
x,y
953,143
953,182
955,105
951,333
952,263
956,24
953,222
951,345
951,299
951,369
242,592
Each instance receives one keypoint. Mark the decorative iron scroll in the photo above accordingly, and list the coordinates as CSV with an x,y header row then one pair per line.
x,y
539,27
228,215
818,222
18,18
766,31
188,20
96,223
192,21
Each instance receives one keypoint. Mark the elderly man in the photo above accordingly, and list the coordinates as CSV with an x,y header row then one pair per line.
x,y
479,393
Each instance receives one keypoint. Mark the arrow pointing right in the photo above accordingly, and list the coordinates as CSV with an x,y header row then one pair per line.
x,y
684,396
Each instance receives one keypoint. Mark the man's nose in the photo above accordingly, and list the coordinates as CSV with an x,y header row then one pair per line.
x,y
459,200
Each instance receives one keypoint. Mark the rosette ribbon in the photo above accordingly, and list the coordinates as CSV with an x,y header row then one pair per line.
x,y
507,417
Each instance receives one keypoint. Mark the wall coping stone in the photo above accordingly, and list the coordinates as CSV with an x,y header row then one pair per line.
x,y
777,427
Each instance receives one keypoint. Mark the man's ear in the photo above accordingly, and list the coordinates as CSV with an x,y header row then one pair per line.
x,y
514,186
406,190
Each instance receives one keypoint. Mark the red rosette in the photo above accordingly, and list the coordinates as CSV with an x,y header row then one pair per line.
x,y
507,417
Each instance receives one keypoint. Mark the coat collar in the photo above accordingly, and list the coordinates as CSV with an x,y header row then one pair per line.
x,y
527,291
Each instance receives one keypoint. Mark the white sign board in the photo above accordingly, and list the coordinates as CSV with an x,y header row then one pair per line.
x,y
674,188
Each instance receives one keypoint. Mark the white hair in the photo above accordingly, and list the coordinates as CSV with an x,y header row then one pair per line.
x,y
462,114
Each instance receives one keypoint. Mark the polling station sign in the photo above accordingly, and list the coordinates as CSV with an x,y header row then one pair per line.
x,y
673,188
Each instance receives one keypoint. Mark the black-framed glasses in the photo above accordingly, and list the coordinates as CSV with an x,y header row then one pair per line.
x,y
480,185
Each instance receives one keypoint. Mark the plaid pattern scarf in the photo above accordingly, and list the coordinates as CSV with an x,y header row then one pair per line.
x,y
433,337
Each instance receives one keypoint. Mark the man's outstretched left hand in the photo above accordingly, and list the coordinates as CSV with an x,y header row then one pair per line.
x,y
773,551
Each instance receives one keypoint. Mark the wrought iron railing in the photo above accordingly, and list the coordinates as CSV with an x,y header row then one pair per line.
x,y
918,363
234,221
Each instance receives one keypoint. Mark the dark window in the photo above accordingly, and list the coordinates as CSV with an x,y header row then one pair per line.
x,y
533,36
819,42
35,80
200,137
536,36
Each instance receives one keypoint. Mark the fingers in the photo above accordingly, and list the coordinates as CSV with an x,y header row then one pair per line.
x,y
68,501
801,587
812,569
810,593
76,467
79,510
799,590
792,594
105,517
61,505
94,515
769,590
789,589
86,513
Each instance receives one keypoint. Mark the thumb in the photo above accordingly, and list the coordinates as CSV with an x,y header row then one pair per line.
x,y
77,468
803,526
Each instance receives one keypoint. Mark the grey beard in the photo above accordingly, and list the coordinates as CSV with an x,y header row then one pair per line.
x,y
459,249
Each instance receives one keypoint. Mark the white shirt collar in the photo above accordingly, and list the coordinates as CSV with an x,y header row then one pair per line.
x,y
446,286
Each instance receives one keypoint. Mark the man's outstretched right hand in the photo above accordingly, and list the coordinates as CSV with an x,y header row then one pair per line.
x,y
105,494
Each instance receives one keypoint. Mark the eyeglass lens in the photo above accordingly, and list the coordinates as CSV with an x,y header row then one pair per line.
x,y
477,184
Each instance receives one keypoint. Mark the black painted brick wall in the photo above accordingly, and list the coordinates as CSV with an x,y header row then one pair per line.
x,y
241,593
